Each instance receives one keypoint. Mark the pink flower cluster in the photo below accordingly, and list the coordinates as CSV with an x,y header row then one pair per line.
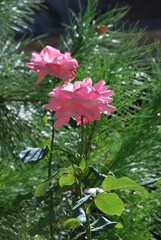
x,y
80,99
51,61
70,100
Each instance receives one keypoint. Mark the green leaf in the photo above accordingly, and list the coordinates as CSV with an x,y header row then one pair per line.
x,y
78,235
109,203
92,178
41,188
72,168
82,164
119,225
72,223
159,181
66,180
33,154
111,183
81,201
44,121
159,130
102,224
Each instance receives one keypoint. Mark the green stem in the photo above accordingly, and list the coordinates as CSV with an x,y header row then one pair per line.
x,y
49,172
82,135
88,226
90,139
88,231
51,151
52,142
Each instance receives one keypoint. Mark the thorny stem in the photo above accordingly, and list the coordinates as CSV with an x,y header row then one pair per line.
x,y
88,231
49,172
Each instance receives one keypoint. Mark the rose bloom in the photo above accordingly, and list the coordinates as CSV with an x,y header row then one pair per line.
x,y
52,61
80,99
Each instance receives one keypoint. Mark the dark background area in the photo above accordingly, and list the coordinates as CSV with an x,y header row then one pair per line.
x,y
51,19
148,12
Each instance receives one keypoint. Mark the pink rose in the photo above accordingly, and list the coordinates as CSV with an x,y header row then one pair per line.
x,y
80,99
52,61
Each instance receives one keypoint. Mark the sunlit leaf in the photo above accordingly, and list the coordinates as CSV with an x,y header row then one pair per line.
x,y
72,168
111,183
109,203
67,179
44,121
119,225
82,163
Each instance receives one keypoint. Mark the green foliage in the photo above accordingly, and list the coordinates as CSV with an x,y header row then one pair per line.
x,y
15,14
143,215
109,203
78,235
71,223
92,178
159,181
41,188
102,224
111,183
44,121
66,180
81,202
128,143
83,164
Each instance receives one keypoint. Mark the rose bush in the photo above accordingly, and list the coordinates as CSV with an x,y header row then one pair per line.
x,y
52,61
86,103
